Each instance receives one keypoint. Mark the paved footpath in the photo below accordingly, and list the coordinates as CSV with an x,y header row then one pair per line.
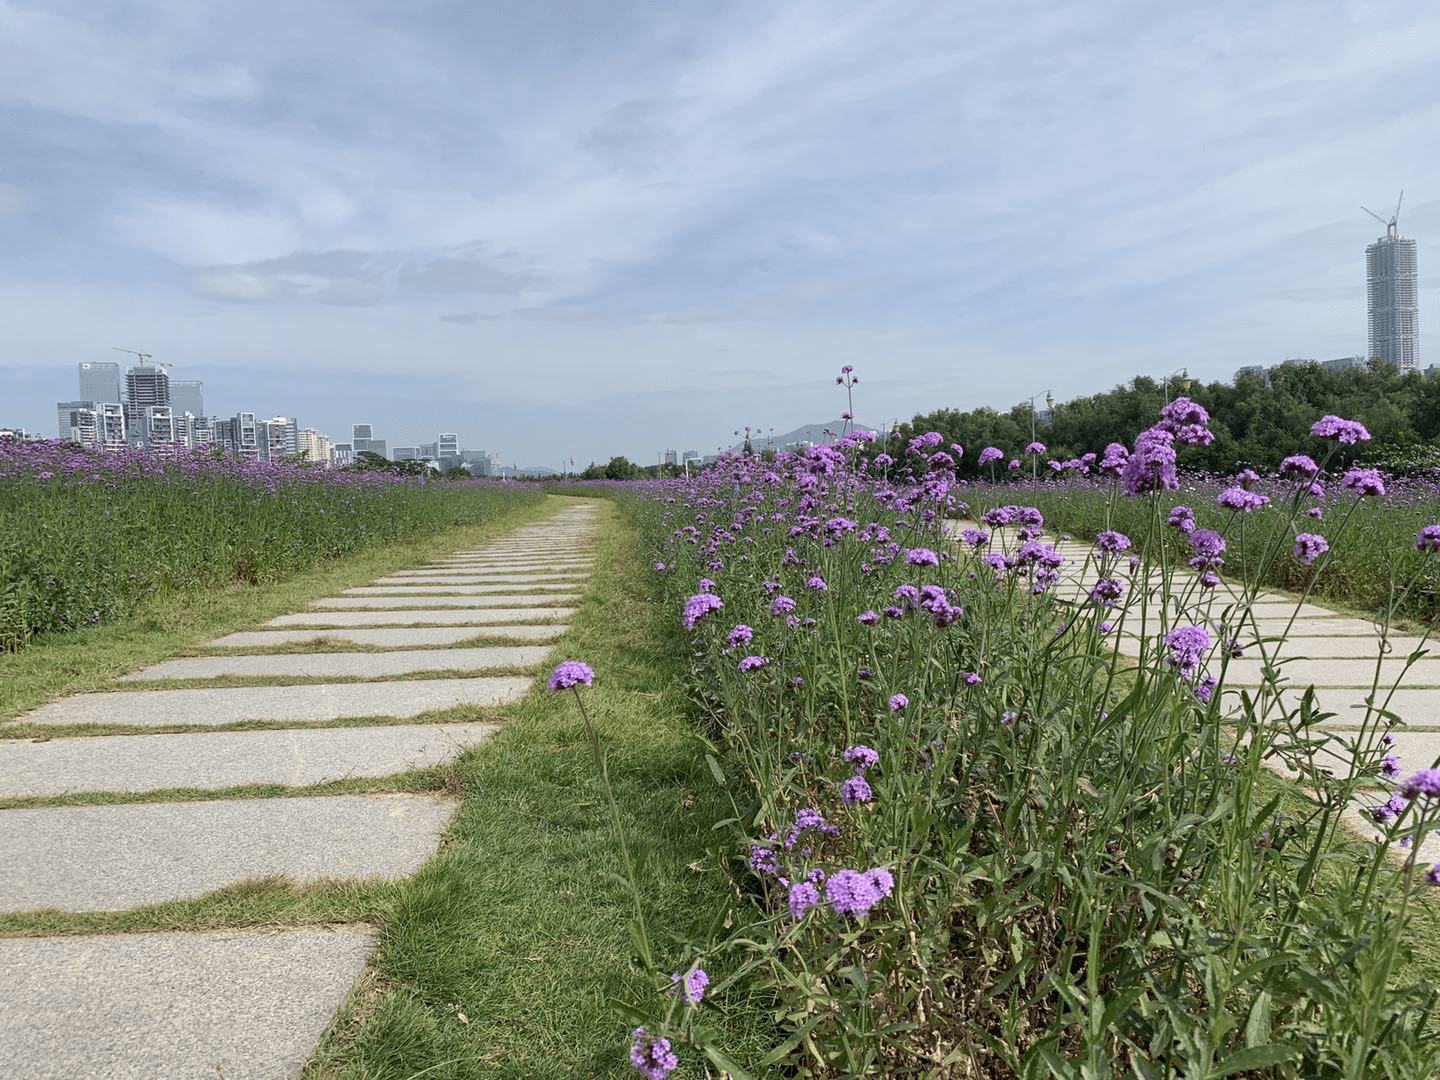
x,y
251,1005
1335,654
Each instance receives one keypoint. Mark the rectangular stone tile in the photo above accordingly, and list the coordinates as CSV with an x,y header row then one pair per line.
x,y
471,569
330,665
112,858
1336,672
428,589
422,617
310,704
434,602
242,1005
397,638
225,759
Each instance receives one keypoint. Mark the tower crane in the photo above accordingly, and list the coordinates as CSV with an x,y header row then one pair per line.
x,y
144,357
1392,227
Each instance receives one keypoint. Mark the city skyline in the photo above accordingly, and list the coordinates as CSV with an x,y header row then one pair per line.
x,y
581,230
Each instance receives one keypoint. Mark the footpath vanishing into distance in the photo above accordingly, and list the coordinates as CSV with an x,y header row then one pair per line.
x,y
239,1004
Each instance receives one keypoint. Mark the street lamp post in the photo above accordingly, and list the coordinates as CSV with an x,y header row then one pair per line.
x,y
1049,404
1185,380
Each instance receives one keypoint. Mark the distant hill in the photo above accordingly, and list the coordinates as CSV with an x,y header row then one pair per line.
x,y
809,433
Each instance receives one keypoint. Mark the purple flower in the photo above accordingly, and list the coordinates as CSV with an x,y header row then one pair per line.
x,y
808,819
855,790
1207,544
867,618
817,583
1390,766
1014,464
1114,459
922,557
1152,466
1424,783
1111,542
1432,876
1389,810
570,673
971,678
651,1055
803,896
706,585
1301,465
1365,482
853,892
898,702
989,454
977,537
762,859
1187,644
1341,431
1182,518
1241,500
753,663
861,756
1106,592
1035,448
781,604
692,986
1428,539
741,635
698,606
1309,547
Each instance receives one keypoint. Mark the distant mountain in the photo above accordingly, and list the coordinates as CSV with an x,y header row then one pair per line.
x,y
809,433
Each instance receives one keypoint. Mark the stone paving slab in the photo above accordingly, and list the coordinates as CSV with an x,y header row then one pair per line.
x,y
112,858
224,759
331,665
310,704
499,577
242,1006
462,589
1418,707
397,638
460,573
449,577
451,566
1336,672
417,616
432,602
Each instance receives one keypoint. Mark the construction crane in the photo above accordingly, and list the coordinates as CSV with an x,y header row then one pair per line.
x,y
1392,227
144,357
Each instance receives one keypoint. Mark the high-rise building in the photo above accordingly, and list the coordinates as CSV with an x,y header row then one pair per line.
x,y
1392,286
278,437
187,395
360,435
314,447
147,386
99,382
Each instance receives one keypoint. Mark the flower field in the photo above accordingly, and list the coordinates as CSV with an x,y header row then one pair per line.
x,y
971,839
85,536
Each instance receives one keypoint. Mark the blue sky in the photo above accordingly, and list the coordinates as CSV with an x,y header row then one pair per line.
x,y
580,228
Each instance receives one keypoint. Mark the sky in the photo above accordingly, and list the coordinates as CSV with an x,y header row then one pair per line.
x,y
571,229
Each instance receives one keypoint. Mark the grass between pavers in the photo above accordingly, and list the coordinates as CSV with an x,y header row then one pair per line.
x,y
519,923
168,624
274,901
444,779
458,714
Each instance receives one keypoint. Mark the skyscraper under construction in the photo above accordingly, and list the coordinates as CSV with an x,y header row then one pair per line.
x,y
1392,288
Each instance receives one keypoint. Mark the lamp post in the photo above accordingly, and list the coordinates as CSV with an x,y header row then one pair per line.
x,y
1185,381
1049,404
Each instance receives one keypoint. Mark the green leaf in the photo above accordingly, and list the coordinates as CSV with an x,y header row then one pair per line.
x,y
1257,1025
1256,1057
715,769
721,1060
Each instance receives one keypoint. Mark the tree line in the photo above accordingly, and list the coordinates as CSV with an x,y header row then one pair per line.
x,y
1255,424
